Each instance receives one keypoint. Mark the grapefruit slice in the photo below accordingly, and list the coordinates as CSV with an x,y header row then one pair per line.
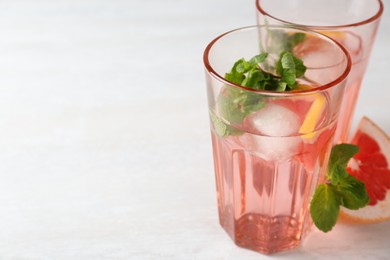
x,y
371,166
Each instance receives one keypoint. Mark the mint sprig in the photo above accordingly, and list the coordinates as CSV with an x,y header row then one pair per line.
x,y
250,74
340,189
241,67
290,68
234,104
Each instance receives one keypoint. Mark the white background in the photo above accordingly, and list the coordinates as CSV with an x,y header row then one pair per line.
x,y
105,150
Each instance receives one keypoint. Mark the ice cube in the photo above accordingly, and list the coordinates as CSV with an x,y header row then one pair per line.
x,y
274,120
275,127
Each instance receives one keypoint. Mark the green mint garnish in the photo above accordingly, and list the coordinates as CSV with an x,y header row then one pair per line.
x,y
293,39
240,67
340,189
234,104
282,41
290,68
325,207
221,127
250,74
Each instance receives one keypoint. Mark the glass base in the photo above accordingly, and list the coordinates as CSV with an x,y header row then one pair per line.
x,y
264,234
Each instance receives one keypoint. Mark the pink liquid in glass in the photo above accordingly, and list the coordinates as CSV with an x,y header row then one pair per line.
x,y
264,185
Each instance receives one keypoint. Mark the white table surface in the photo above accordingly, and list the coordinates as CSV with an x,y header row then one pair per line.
x,y
105,150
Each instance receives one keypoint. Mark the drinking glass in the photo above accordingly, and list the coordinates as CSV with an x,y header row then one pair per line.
x,y
353,23
268,162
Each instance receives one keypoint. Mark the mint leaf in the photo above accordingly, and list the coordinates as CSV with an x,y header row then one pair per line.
x,y
254,77
236,74
253,103
234,104
353,192
270,82
282,41
282,86
290,68
300,68
340,189
258,59
339,173
287,68
340,156
243,67
325,207
293,40
287,60
229,105
221,128
288,76
342,153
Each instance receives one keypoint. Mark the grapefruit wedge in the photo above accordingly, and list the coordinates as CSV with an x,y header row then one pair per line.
x,y
371,166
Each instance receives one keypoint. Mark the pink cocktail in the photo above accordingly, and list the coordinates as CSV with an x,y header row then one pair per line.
x,y
353,23
269,162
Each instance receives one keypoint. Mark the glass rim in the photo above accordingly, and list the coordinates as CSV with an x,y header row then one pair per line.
x,y
339,79
376,16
